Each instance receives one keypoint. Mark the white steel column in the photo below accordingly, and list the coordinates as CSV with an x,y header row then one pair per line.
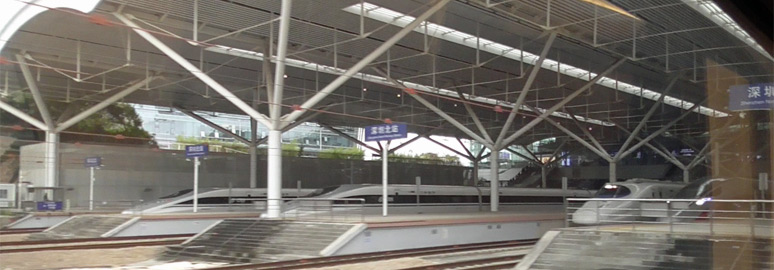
x,y
494,181
274,174
385,182
196,185
274,168
253,153
613,177
686,175
91,189
51,159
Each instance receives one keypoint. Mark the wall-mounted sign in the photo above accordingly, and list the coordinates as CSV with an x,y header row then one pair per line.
x,y
751,97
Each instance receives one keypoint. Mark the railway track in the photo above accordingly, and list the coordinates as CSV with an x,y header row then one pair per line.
x,y
91,243
20,231
368,257
498,262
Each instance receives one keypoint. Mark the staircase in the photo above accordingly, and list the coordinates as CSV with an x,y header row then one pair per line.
x,y
81,227
573,249
255,241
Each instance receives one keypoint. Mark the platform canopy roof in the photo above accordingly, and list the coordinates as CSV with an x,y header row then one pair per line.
x,y
480,50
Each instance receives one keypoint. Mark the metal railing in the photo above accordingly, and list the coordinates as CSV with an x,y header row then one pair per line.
x,y
83,205
706,216
314,208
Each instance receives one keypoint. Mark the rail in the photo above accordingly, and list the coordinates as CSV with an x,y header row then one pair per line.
x,y
706,215
346,209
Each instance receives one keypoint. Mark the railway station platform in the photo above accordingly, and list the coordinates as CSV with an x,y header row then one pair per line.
x,y
696,245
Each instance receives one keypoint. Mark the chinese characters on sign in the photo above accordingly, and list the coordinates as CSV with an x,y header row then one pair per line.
x,y
751,97
385,132
92,162
196,150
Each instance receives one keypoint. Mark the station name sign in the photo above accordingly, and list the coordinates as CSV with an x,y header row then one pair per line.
x,y
751,97
91,162
385,132
196,150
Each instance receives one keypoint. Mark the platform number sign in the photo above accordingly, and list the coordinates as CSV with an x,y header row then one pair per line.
x,y
196,150
751,97
385,132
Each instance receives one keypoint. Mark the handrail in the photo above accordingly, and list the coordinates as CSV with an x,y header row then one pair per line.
x,y
695,216
669,200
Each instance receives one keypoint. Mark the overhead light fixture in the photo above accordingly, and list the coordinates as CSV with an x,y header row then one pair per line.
x,y
445,33
607,5
16,13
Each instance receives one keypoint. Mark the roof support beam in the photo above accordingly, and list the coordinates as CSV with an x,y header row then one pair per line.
x,y
661,152
99,106
195,71
464,147
476,120
405,143
649,113
23,116
546,113
580,140
440,112
212,125
525,89
328,89
275,107
346,136
298,122
448,148
586,132
35,92
522,156
620,155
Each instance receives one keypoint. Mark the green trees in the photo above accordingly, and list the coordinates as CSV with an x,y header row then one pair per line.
x,y
342,153
116,119
426,158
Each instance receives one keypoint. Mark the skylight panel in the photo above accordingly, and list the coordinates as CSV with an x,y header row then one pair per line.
x,y
512,53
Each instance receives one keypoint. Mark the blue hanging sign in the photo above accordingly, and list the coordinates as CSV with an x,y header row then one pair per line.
x,y
196,150
751,97
385,132
91,162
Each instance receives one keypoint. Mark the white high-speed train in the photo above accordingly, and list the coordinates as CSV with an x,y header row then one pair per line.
x,y
432,198
445,199
599,212
212,200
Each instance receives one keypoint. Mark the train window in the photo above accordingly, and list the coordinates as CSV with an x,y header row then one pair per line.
x,y
613,191
3,194
177,194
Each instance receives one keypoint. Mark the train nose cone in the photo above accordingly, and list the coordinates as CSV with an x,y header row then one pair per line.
x,y
585,217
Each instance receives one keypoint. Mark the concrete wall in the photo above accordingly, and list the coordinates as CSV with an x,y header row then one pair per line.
x,y
396,238
134,173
